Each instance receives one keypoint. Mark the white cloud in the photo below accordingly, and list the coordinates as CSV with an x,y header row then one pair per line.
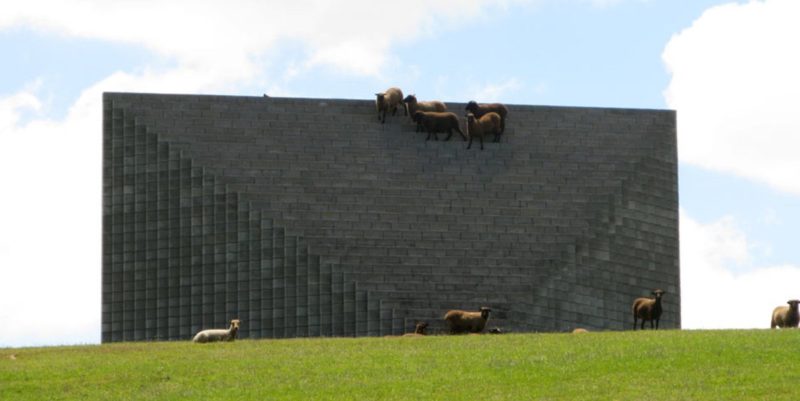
x,y
735,80
713,294
50,212
228,37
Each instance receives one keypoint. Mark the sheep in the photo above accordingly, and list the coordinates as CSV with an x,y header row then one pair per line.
x,y
648,309
419,331
460,321
480,127
435,122
388,101
579,330
480,109
786,316
412,105
212,335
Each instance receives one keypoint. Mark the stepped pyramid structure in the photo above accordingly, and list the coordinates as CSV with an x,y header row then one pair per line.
x,y
307,217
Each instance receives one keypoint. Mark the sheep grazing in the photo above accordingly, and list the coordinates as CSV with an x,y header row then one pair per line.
x,y
418,331
480,109
389,101
435,122
212,335
413,106
648,309
460,321
786,316
488,124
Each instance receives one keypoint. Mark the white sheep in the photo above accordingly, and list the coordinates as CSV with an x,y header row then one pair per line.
x,y
786,316
212,335
460,321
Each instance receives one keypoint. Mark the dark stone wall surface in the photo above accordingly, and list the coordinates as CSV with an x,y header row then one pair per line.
x,y
307,217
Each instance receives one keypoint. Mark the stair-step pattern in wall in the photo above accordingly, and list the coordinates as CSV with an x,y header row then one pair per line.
x,y
183,252
561,224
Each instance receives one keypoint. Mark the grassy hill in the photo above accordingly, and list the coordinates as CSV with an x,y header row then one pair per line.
x,y
664,365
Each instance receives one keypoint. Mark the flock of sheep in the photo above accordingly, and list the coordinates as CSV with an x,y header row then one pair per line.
x,y
432,116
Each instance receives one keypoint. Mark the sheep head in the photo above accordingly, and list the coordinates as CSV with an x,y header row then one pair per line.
x,y
421,326
472,106
235,324
417,117
485,312
658,293
793,303
410,99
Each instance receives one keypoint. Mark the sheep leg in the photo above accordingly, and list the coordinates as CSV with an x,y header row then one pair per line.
x,y
481,142
470,142
449,134
383,120
497,137
634,322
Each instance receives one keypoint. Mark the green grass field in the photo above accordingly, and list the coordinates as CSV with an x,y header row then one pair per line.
x,y
664,365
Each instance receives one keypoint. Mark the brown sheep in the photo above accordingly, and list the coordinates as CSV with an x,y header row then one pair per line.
x,y
480,109
786,317
389,101
435,122
487,125
413,106
648,309
418,331
579,330
460,321
212,335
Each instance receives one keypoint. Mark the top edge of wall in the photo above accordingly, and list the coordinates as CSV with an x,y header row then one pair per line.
x,y
141,95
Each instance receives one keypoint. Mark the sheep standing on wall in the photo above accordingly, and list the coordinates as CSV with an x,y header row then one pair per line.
x,y
786,316
460,321
413,106
648,309
212,335
389,101
487,125
435,122
480,109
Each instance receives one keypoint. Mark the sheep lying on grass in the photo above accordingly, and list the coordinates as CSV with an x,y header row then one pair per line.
x,y
480,109
212,335
786,316
487,125
419,331
435,122
648,309
389,101
579,330
460,321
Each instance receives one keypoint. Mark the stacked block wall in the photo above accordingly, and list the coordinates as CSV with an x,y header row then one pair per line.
x,y
561,224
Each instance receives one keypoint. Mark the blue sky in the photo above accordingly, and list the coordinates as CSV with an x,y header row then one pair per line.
x,y
730,69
